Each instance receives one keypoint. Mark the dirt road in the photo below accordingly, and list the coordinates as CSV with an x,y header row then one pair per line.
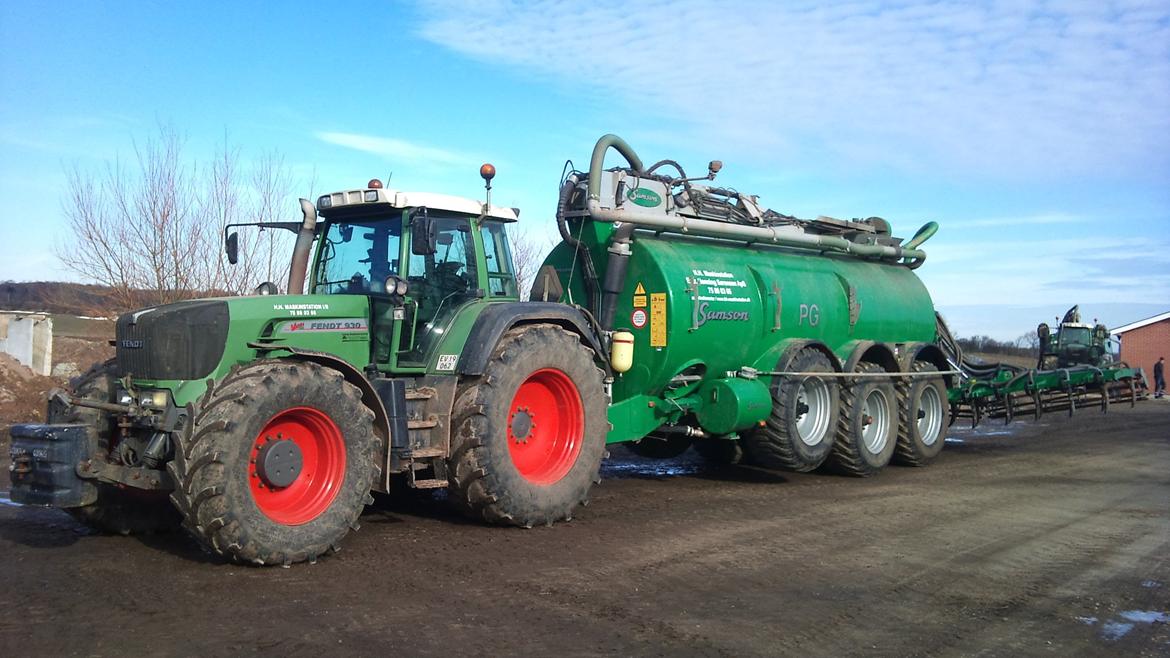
x,y
1052,539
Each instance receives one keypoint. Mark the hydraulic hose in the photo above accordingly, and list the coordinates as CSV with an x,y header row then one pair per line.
x,y
590,278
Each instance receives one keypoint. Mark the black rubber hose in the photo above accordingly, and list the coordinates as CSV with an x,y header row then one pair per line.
x,y
590,272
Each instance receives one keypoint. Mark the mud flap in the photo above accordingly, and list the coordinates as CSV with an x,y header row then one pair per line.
x,y
44,466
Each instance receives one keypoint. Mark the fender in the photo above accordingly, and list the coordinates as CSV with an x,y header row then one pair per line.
x,y
928,352
784,350
498,318
872,352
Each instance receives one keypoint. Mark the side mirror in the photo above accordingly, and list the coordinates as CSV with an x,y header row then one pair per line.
x,y
231,245
423,239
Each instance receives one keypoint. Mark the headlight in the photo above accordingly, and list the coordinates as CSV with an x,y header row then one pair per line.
x,y
154,399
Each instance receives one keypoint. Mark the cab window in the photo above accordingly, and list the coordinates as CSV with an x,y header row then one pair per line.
x,y
498,257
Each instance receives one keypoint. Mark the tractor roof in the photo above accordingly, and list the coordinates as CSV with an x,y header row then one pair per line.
x,y
373,197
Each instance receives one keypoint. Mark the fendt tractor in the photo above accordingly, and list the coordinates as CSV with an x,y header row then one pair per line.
x,y
672,313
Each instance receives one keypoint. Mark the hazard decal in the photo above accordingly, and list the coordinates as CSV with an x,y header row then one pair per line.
x,y
638,318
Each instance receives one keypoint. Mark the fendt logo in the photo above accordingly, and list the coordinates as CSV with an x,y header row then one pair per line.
x,y
644,197
132,344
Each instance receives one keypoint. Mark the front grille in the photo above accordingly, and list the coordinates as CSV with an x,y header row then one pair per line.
x,y
184,340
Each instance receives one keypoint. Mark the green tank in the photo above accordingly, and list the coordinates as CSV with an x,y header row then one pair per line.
x,y
721,296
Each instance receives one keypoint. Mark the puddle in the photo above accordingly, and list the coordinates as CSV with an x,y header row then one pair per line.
x,y
4,500
1151,584
1115,629
1146,616
647,469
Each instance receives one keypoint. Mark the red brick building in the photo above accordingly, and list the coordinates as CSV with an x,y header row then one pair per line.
x,y
1142,342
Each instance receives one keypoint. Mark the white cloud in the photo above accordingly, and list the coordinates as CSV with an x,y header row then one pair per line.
x,y
1042,219
398,150
1041,89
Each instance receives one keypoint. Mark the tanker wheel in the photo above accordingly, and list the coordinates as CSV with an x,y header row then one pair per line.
x,y
798,435
277,464
720,451
116,511
655,446
868,425
529,435
922,410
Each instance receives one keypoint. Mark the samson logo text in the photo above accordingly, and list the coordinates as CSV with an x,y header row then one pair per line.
x,y
644,197
703,316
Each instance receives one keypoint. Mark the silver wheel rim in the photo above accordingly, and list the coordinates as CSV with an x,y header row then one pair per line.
x,y
812,424
930,412
876,410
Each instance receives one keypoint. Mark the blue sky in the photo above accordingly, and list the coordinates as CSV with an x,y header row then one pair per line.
x,y
1036,134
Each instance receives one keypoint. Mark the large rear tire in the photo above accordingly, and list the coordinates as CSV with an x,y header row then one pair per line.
x,y
116,511
277,464
868,425
798,435
529,435
922,410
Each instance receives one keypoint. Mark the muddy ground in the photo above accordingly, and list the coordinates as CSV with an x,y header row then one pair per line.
x,y
1051,539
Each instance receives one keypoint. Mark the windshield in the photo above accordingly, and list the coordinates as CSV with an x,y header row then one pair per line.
x,y
1074,336
356,257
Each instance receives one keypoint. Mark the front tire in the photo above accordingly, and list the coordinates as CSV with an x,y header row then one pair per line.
x,y
277,464
116,511
529,435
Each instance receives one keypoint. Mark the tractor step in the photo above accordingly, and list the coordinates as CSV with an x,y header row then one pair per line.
x,y
422,453
424,393
422,424
428,484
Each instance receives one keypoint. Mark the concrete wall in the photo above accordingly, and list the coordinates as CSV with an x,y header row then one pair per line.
x,y
1141,347
28,337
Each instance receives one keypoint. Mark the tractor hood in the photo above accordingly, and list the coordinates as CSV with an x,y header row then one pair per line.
x,y
184,343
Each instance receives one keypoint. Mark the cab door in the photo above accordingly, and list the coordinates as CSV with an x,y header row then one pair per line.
x,y
440,283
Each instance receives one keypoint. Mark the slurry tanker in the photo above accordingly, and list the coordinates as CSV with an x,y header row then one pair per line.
x,y
672,313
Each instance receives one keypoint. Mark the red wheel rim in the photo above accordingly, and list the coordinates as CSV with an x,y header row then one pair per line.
x,y
322,469
546,426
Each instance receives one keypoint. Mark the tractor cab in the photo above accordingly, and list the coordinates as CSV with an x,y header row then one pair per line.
x,y
419,258
1073,343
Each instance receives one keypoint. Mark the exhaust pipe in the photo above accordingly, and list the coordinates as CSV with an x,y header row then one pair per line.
x,y
304,244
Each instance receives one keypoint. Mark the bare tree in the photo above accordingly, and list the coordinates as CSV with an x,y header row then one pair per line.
x,y
1028,340
527,255
152,231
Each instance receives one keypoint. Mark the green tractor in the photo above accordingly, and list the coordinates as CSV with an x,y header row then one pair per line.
x,y
672,313
264,422
1074,343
